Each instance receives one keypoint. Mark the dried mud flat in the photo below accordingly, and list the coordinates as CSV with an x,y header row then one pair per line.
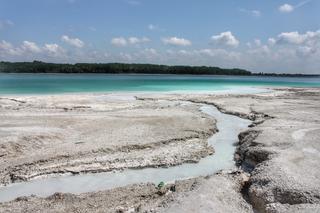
x,y
278,156
49,135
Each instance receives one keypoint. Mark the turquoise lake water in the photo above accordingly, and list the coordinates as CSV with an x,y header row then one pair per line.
x,y
68,83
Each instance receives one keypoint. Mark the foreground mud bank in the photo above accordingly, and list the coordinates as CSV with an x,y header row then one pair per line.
x,y
194,195
66,134
278,156
281,150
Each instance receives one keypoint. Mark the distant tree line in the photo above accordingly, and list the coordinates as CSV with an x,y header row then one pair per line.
x,y
42,67
284,74
113,68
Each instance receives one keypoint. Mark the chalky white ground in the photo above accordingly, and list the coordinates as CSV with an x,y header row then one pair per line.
x,y
67,134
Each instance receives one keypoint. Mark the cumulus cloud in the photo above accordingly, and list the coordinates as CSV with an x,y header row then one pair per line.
x,y
288,8
306,51
6,48
30,50
32,47
122,42
291,37
27,47
225,39
72,41
292,52
151,51
219,53
206,56
272,41
119,41
54,49
257,42
261,50
308,38
135,40
176,41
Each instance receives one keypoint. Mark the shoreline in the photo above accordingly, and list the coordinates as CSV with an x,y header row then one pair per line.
x,y
247,90
159,74
249,156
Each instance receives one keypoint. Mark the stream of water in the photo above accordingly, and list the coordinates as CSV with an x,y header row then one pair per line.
x,y
223,142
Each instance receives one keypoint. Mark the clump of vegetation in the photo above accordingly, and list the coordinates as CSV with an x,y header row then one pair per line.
x,y
161,184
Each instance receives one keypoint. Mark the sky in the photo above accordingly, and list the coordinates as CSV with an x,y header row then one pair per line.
x,y
281,36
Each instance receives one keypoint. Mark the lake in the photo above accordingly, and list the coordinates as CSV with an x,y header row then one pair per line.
x,y
75,83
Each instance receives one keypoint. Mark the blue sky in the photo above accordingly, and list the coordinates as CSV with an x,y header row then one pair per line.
x,y
266,36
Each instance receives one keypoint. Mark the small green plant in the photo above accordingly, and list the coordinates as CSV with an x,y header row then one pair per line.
x,y
161,184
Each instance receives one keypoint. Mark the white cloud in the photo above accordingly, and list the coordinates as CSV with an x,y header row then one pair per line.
x,y
255,13
291,52
27,48
32,47
286,8
119,41
305,51
72,41
153,27
272,41
257,42
225,39
30,50
254,44
126,57
262,50
291,37
147,54
6,48
220,54
135,40
176,41
150,51
54,49
309,38
4,45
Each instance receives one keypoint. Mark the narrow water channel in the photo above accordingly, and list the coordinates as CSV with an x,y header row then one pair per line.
x,y
223,142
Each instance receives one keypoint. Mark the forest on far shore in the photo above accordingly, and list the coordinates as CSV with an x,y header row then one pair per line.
x,y
42,67
123,68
